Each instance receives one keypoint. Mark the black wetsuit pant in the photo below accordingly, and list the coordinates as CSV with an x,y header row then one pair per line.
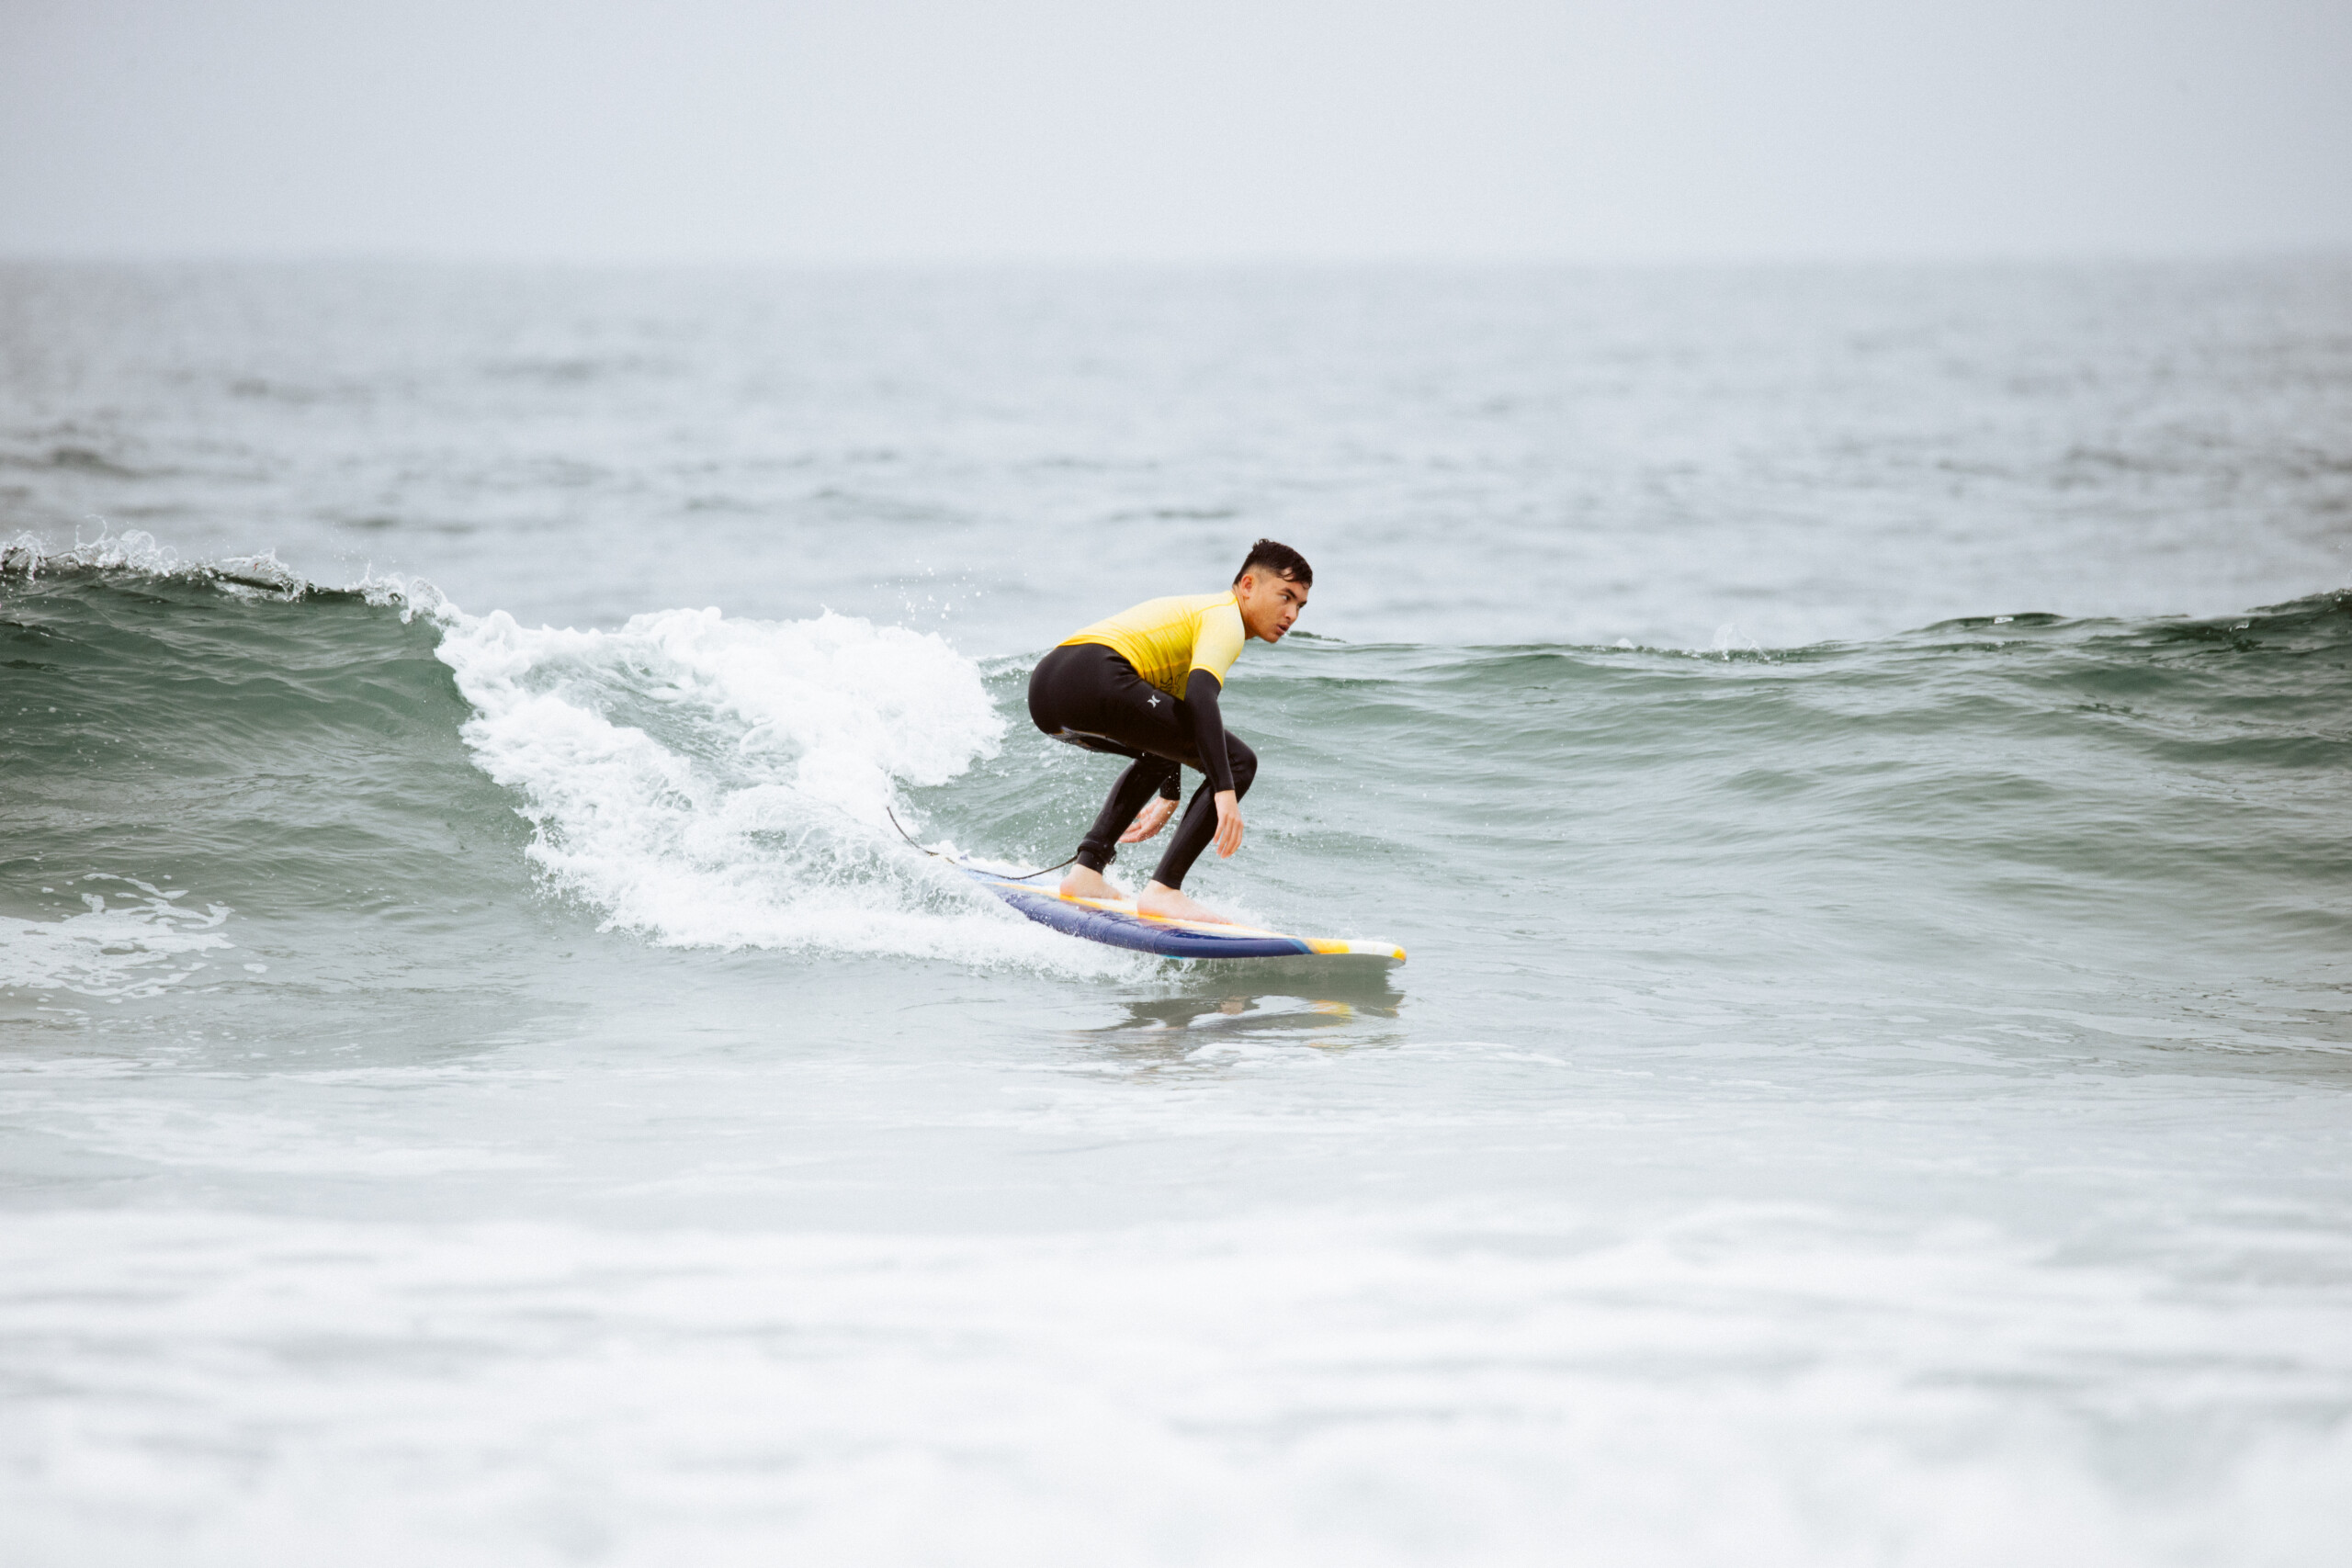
x,y
1088,695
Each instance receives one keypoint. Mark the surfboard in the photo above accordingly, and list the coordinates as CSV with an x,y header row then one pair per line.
x,y
1115,920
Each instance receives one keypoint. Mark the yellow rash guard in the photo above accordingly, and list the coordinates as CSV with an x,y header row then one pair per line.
x,y
1167,639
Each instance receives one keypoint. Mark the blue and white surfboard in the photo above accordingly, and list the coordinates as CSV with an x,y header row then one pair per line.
x,y
1115,920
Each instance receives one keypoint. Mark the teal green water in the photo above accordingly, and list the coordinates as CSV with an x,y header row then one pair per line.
x,y
2074,814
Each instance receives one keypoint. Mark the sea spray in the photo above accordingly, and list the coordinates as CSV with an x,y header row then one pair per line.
x,y
709,782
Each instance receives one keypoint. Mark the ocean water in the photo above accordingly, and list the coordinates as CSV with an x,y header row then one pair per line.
x,y
1860,760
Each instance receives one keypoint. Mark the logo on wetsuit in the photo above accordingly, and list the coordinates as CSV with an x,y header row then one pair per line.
x,y
1152,701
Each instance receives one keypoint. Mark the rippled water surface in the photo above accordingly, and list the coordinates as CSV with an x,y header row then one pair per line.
x,y
1861,763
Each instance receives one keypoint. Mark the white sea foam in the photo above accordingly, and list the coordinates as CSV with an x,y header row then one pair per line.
x,y
141,944
728,783
1741,1384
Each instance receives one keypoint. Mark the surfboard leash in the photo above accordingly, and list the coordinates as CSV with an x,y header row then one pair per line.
x,y
934,854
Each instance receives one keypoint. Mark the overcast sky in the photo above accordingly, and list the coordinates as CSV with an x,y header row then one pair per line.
x,y
1088,129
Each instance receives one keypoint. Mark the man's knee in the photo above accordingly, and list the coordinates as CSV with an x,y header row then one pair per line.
x,y
1244,762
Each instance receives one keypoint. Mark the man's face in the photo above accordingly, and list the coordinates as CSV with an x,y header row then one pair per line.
x,y
1270,602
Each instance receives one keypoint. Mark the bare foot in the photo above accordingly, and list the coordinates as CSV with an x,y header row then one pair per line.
x,y
1170,904
1083,884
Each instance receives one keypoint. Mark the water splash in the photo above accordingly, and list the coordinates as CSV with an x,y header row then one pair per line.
x,y
727,783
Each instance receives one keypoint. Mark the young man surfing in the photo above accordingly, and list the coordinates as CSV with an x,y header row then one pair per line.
x,y
1144,685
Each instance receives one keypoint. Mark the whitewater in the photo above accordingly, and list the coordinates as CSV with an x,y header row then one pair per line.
x,y
1859,759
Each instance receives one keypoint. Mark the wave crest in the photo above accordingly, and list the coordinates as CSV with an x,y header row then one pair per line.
x,y
710,782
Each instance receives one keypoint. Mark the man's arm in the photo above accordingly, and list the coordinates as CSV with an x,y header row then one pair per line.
x,y
1201,690
1217,643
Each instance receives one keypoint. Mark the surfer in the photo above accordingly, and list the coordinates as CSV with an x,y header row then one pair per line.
x,y
1143,684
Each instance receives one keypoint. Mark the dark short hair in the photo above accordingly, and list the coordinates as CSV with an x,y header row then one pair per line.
x,y
1280,558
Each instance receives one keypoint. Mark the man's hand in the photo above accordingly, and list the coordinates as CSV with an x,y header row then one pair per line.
x,y
1149,820
1228,823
